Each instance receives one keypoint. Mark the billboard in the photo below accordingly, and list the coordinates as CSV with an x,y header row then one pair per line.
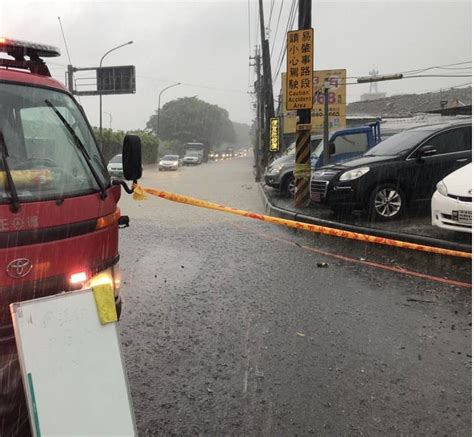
x,y
337,102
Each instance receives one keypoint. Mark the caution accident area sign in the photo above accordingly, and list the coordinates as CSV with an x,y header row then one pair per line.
x,y
299,56
274,134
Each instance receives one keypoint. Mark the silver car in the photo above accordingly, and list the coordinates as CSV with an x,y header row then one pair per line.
x,y
279,174
115,166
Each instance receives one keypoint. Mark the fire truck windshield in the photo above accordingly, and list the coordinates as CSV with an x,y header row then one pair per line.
x,y
42,130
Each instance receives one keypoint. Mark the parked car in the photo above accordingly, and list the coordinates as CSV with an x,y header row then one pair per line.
x,y
401,170
169,162
344,144
279,174
451,204
115,166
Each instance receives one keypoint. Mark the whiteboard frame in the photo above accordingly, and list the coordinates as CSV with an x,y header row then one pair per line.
x,y
14,309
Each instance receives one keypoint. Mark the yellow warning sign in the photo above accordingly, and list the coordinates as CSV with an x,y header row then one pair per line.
x,y
274,134
299,58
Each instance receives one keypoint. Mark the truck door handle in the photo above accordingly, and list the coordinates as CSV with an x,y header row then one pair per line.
x,y
461,160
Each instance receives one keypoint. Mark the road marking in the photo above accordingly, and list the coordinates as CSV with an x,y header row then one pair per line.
x,y
354,260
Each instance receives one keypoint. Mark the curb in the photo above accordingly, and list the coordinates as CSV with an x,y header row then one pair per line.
x,y
276,211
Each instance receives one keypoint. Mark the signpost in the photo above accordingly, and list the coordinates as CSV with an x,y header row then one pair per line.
x,y
109,80
299,96
274,134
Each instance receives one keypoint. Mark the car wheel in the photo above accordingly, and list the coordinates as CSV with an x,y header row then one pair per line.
x,y
288,189
386,202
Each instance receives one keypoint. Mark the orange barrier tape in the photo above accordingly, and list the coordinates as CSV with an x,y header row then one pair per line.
x,y
140,194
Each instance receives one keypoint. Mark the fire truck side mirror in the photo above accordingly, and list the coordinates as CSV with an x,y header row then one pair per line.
x,y
132,157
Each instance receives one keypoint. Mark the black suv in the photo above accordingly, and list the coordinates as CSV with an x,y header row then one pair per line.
x,y
397,172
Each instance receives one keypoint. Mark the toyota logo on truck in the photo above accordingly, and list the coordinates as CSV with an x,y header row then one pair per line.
x,y
19,268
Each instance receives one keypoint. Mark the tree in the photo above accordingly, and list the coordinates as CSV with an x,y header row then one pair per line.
x,y
190,119
113,142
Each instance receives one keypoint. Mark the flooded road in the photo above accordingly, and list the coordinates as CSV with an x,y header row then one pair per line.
x,y
230,327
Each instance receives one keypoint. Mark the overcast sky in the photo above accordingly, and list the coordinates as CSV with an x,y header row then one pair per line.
x,y
205,45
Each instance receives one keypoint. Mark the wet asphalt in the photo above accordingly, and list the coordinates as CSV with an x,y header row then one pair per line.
x,y
229,326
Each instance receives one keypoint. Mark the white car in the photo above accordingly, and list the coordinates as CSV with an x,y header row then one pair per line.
x,y
169,162
115,166
451,204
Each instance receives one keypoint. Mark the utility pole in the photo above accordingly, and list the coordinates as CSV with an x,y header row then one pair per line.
x,y
267,86
326,151
259,149
303,139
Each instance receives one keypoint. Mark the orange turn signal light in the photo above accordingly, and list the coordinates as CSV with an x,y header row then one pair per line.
x,y
108,220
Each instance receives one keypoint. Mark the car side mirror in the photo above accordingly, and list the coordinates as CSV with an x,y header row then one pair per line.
x,y
332,148
425,151
132,157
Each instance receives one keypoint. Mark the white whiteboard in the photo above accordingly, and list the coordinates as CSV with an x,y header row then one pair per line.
x,y
72,368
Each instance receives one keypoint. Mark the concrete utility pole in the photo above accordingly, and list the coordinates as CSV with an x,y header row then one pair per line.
x,y
326,151
259,149
267,86
303,139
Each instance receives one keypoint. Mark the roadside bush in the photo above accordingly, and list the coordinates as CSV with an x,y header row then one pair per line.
x,y
112,142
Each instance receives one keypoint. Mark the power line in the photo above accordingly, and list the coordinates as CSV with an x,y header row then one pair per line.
x,y
291,20
248,18
421,70
271,13
256,23
276,29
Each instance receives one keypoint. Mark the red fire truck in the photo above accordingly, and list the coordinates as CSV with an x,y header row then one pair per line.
x,y
59,219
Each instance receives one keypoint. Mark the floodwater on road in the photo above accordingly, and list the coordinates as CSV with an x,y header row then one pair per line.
x,y
229,326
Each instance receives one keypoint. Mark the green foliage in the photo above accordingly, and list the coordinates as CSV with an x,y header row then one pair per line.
x,y
190,119
172,147
242,134
113,141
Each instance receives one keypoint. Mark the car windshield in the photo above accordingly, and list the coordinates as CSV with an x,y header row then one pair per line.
x,y
399,144
170,158
44,160
116,159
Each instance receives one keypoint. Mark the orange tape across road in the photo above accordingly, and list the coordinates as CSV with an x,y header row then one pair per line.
x,y
140,194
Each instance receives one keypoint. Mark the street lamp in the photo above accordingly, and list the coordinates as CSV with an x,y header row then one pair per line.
x,y
100,94
159,105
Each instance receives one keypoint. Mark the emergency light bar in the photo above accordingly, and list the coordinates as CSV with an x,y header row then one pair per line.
x,y
19,49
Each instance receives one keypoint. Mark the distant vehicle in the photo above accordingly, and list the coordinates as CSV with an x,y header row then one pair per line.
x,y
169,162
115,166
230,152
195,153
344,144
451,204
400,171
